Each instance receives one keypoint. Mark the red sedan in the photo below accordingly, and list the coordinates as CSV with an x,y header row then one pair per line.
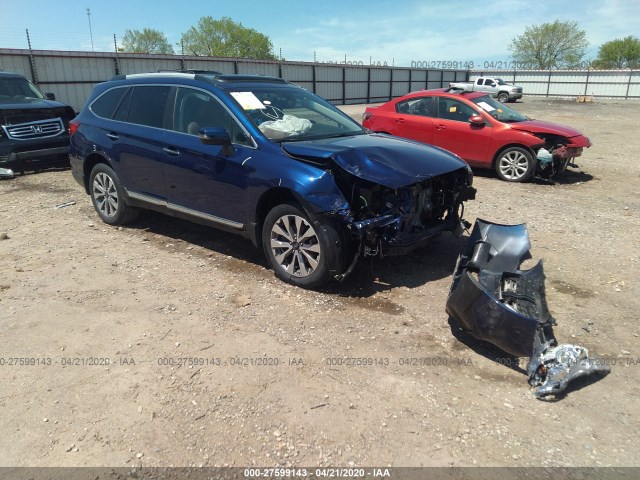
x,y
484,132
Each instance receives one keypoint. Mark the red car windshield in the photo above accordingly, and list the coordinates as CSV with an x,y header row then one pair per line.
x,y
498,110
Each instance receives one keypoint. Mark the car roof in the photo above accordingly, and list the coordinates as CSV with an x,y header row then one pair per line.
x,y
444,92
221,80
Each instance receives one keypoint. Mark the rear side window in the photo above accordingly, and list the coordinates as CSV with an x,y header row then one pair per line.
x,y
422,106
148,105
123,107
106,103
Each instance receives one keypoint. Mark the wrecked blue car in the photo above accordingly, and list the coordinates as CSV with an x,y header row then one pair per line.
x,y
268,160
495,301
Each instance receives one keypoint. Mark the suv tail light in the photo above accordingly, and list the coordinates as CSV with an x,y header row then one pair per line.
x,y
73,127
366,116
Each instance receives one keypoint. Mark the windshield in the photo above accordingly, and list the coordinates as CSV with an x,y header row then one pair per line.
x,y
293,114
18,88
501,81
498,110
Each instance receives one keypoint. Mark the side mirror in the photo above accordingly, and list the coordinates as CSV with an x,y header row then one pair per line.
x,y
217,136
50,96
476,120
214,136
493,84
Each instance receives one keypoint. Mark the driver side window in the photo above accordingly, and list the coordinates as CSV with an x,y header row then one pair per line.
x,y
422,106
450,109
195,109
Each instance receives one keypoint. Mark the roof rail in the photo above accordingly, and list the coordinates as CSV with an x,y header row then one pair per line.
x,y
249,78
191,70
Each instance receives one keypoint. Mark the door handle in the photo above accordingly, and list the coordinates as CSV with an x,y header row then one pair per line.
x,y
440,127
399,120
173,151
112,136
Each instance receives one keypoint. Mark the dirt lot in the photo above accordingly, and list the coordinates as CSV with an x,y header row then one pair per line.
x,y
131,300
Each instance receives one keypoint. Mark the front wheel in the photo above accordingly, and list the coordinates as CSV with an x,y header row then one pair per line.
x,y
515,164
503,97
297,248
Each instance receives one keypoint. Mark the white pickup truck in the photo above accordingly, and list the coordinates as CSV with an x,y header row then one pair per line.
x,y
495,86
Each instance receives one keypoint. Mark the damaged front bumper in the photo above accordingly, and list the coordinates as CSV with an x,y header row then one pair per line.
x,y
495,301
388,222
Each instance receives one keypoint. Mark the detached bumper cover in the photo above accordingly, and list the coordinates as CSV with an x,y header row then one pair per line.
x,y
495,301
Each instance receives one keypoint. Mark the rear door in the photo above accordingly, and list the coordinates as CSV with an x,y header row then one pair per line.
x,y
414,119
136,135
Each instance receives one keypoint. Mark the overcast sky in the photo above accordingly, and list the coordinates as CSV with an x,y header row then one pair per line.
x,y
380,30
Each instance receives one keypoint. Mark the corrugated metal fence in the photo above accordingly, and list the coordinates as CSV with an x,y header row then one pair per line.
x,y
72,75
571,83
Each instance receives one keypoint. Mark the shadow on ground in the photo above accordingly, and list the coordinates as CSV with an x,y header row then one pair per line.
x,y
433,262
567,177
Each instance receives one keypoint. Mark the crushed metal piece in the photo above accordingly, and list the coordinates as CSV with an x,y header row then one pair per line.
x,y
553,368
495,301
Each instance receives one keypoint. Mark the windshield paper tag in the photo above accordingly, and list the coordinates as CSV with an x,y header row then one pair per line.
x,y
486,106
248,101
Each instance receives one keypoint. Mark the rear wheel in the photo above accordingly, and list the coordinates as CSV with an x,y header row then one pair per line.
x,y
515,164
107,196
297,247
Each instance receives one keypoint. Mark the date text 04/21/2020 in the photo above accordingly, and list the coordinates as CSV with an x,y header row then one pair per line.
x,y
487,64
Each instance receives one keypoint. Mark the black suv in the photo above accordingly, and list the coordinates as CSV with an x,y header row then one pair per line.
x,y
33,126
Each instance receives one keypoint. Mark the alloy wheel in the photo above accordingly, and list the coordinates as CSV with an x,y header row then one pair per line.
x,y
105,194
295,245
514,165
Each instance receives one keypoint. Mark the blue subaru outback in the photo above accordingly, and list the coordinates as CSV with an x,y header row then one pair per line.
x,y
268,160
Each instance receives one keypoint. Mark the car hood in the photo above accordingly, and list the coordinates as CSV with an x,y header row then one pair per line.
x,y
540,126
28,103
383,159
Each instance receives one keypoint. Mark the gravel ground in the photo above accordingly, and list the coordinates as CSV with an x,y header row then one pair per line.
x,y
114,309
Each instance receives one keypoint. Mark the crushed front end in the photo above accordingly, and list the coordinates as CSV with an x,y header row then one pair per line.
x,y
557,153
495,301
393,221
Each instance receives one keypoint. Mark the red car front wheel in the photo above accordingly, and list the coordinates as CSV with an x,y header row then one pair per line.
x,y
515,164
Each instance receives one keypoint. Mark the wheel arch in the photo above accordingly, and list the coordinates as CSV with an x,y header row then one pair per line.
x,y
268,200
511,145
90,162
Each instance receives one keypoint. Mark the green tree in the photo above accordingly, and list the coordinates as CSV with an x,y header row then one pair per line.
x,y
619,53
146,41
550,45
226,38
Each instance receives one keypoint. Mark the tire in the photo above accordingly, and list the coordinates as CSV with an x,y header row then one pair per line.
x,y
515,164
297,247
503,97
107,196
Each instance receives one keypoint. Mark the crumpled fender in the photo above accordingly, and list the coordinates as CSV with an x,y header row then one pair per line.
x,y
495,301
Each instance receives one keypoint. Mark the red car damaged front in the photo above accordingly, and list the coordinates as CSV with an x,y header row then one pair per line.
x,y
574,141
482,131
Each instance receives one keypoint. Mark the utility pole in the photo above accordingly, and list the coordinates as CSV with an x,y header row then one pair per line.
x,y
90,31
